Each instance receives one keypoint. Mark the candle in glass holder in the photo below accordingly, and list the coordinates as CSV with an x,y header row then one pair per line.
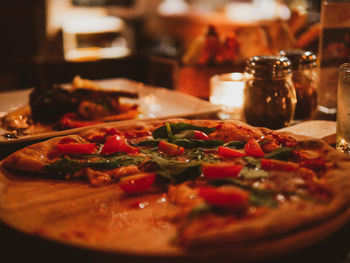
x,y
227,90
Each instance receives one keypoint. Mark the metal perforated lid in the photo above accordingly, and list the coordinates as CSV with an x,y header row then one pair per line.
x,y
300,59
268,66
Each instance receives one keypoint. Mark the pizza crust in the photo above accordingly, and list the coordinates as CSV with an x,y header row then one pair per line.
x,y
286,223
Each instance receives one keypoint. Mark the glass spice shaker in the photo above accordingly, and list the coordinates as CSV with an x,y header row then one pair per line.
x,y
304,76
269,93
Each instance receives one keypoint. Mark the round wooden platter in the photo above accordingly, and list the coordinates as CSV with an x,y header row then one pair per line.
x,y
101,219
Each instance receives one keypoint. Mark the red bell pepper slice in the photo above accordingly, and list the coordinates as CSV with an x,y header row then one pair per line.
x,y
199,135
170,149
137,183
230,153
76,148
220,170
116,144
271,164
252,148
227,196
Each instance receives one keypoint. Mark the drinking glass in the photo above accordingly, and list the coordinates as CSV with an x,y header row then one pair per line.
x,y
343,109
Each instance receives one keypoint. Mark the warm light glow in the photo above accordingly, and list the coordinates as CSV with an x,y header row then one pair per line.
x,y
82,38
171,7
257,10
227,90
81,24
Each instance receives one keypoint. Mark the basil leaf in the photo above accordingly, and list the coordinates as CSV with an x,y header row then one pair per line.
x,y
280,154
235,145
162,132
63,167
153,143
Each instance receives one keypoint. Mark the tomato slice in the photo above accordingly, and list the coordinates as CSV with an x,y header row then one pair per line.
x,y
268,145
271,164
137,183
227,196
316,165
112,131
228,152
170,149
252,148
69,121
66,140
116,144
76,148
199,135
220,170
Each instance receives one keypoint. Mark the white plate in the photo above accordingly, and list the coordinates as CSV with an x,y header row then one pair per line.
x,y
154,103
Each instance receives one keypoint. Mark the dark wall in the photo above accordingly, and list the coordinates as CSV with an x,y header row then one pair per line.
x,y
22,35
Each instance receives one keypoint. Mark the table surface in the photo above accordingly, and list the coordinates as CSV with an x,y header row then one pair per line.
x,y
18,246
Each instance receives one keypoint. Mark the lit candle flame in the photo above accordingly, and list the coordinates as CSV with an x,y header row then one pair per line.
x,y
227,90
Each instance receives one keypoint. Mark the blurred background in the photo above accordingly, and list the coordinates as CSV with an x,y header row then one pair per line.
x,y
51,41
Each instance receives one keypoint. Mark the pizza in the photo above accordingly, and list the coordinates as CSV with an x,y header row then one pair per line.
x,y
59,108
197,187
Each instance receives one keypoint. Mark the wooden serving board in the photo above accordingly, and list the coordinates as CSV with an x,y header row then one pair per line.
x,y
100,219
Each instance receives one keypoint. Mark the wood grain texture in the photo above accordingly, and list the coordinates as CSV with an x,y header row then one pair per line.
x,y
102,219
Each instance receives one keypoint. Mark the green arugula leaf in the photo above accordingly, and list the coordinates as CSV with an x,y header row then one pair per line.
x,y
113,162
185,134
280,154
188,144
153,143
252,173
198,154
69,166
253,169
235,145
199,210
162,131
258,199
264,141
169,132
252,162
176,170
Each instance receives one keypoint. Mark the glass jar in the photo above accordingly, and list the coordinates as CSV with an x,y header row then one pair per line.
x,y
304,76
269,94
